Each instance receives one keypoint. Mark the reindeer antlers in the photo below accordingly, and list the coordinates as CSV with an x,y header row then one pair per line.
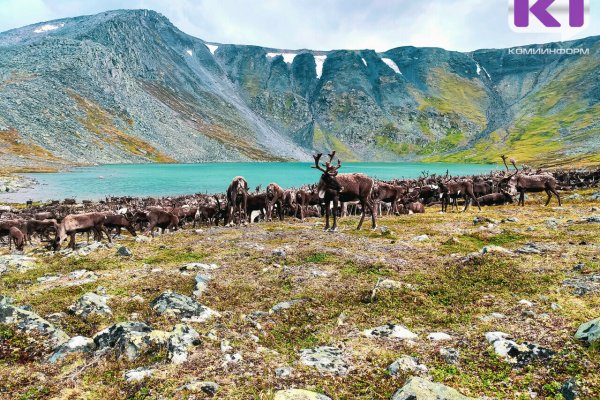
x,y
329,168
504,159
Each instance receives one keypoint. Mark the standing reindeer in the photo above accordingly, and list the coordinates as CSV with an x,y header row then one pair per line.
x,y
519,183
237,197
345,187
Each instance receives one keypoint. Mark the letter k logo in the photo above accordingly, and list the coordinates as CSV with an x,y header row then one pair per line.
x,y
539,9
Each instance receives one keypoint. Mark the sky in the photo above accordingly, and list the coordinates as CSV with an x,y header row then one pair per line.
x,y
461,25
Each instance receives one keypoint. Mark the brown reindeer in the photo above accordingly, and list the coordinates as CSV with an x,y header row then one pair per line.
x,y
519,183
161,219
388,193
345,187
40,227
78,223
118,222
17,237
451,190
237,196
275,196
496,199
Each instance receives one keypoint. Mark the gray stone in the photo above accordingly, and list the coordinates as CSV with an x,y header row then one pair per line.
x,y
589,331
16,262
138,374
111,335
182,307
28,321
450,355
124,252
514,353
584,284
299,394
421,238
77,344
569,389
419,389
407,364
279,253
593,219
283,372
198,386
438,336
390,331
91,304
325,359
201,284
198,267
284,305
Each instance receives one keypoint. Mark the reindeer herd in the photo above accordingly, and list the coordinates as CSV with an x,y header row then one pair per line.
x,y
335,195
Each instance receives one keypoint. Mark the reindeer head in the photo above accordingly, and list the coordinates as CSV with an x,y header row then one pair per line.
x,y
330,171
510,181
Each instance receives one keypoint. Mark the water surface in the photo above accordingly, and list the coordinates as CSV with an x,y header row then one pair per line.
x,y
94,183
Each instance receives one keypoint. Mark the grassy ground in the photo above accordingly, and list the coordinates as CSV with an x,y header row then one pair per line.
x,y
445,293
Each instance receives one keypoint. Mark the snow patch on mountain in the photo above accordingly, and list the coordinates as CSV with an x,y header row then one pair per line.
x,y
287,57
320,60
190,53
390,63
364,61
48,27
211,47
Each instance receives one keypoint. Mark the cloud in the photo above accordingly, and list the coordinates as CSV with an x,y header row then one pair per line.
x,y
462,25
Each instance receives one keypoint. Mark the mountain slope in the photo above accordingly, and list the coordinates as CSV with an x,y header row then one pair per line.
x,y
128,86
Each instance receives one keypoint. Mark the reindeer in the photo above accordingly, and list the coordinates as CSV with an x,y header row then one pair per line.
x,y
275,196
42,228
496,199
17,237
118,221
345,187
237,196
388,193
453,189
77,223
163,220
541,182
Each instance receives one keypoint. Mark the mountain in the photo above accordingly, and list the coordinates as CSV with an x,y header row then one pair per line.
x,y
128,86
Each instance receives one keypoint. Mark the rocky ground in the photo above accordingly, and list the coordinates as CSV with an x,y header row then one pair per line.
x,y
478,305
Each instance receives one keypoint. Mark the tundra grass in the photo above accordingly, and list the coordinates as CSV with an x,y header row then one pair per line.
x,y
333,274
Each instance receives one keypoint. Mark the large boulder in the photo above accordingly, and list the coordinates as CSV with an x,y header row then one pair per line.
x,y
110,336
407,364
77,344
91,304
514,353
16,262
299,394
28,321
325,359
589,332
182,307
420,389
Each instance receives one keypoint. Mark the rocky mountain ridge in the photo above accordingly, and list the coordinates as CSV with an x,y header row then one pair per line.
x,y
128,86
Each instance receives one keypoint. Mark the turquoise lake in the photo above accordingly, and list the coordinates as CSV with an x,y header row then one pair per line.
x,y
94,183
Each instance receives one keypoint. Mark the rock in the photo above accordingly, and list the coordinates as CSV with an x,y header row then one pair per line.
x,y
593,219
569,389
138,374
579,267
390,331
124,252
279,253
552,223
584,284
198,386
299,394
492,316
142,239
555,306
575,196
419,389
518,354
198,267
421,238
232,358
450,355
491,249
325,359
533,248
110,336
28,321
201,284
595,196
589,331
91,304
438,336
283,372
16,262
284,305
77,344
182,307
511,219
182,338
406,364
526,303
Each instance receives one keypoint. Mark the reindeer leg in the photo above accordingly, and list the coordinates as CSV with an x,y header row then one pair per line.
x,y
335,211
362,215
549,194
522,198
326,215
373,216
557,196
103,229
